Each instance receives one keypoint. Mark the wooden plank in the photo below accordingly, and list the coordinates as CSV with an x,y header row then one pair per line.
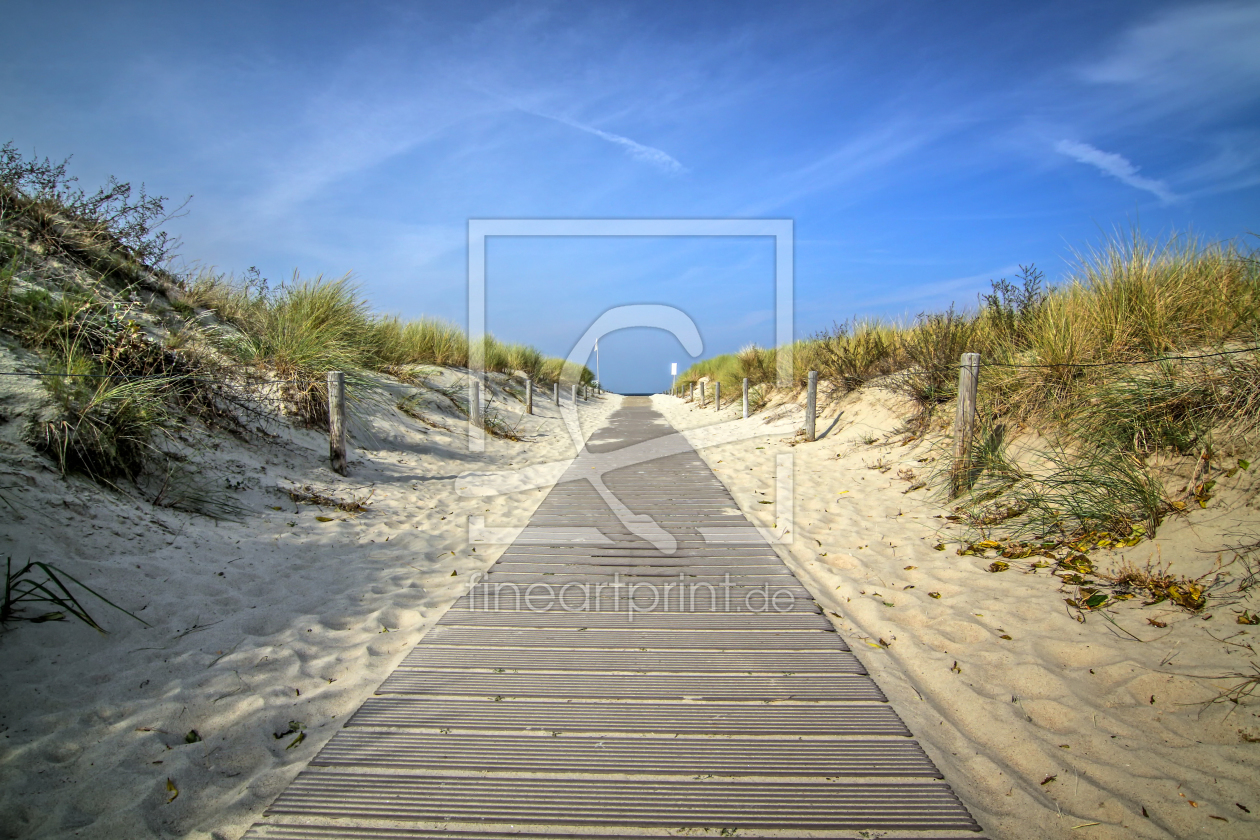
x,y
637,639
679,803
670,620
654,756
617,686
790,720
628,659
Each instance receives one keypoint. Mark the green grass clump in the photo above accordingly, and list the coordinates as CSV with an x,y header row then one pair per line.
x,y
308,327
305,328
424,341
107,426
1177,405
109,383
930,351
852,354
1066,496
727,369
21,589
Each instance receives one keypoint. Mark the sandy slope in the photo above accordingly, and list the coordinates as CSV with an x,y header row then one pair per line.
x,y
276,618
1109,721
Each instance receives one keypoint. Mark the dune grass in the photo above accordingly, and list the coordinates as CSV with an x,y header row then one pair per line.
x,y
1128,300
1094,363
307,327
129,351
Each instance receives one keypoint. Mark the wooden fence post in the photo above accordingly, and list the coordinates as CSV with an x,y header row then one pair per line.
x,y
529,396
692,398
702,395
745,397
337,421
811,405
556,391
965,419
717,396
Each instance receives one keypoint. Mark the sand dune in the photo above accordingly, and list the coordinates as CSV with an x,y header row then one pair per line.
x,y
279,617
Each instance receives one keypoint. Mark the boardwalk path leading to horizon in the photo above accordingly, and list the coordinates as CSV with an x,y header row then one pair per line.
x,y
676,700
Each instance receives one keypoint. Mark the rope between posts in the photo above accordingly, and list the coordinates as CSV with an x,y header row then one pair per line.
x,y
1124,364
1153,361
173,377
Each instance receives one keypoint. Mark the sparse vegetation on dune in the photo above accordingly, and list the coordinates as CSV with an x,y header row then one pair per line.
x,y
1147,349
130,352
306,327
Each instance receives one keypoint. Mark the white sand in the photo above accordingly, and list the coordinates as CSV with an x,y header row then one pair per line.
x,y
283,617
1112,720
279,617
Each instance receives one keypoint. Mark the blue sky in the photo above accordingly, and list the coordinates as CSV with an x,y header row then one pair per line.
x,y
920,148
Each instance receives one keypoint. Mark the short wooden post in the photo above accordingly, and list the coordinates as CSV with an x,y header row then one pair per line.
x,y
556,392
745,397
702,395
337,421
811,405
474,405
575,396
692,398
965,419
529,396
717,396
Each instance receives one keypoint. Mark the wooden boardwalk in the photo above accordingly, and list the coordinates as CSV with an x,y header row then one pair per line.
x,y
611,688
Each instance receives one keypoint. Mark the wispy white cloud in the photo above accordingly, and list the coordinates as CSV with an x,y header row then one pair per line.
x,y
638,151
1209,53
1117,166
646,154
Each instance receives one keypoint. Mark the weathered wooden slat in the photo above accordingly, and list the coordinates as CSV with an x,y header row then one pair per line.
x,y
614,686
677,803
654,661
638,639
308,828
654,756
742,577
794,720
674,620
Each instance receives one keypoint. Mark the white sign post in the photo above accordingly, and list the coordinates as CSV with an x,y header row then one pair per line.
x,y
673,371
